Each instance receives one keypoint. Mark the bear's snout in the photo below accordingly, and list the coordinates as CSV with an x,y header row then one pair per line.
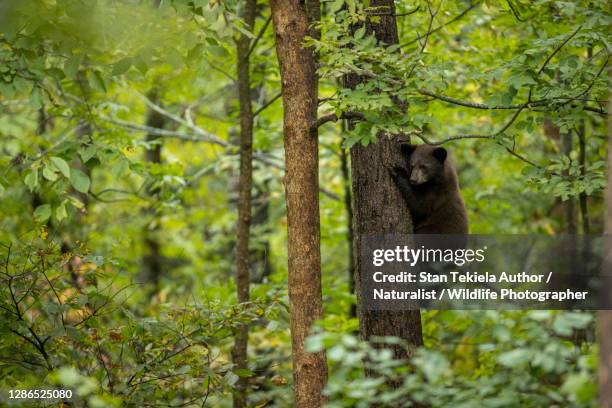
x,y
417,176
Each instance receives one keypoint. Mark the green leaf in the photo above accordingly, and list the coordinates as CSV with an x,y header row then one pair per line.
x,y
76,203
243,372
42,213
184,369
80,181
36,98
60,212
31,180
359,33
88,152
61,165
336,6
71,66
174,57
231,378
122,66
514,358
68,376
195,52
49,173
120,168
96,81
218,51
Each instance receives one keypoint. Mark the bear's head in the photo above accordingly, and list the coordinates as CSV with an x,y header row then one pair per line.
x,y
425,163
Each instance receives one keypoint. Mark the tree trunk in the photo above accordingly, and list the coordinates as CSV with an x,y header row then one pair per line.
x,y
348,205
605,316
244,198
153,260
584,209
292,20
260,254
378,206
569,205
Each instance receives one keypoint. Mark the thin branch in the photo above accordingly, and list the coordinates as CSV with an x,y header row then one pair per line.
x,y
452,20
37,342
514,11
432,16
222,71
190,137
267,104
491,136
201,136
557,49
450,139
199,131
259,35
588,89
408,13
522,158
332,117
390,13
264,158
543,102
59,301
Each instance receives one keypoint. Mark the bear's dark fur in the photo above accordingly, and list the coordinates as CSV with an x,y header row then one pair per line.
x,y
429,185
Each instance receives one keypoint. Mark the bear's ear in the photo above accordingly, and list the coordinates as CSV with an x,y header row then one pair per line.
x,y
407,148
440,154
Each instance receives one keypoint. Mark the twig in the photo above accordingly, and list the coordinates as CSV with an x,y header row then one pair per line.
x,y
556,50
37,342
450,139
543,102
267,104
264,158
332,117
452,20
259,35
514,11
204,136
588,89
432,16
42,261
408,13
199,131
390,13
222,71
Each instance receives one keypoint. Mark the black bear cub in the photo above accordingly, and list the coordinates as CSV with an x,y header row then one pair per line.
x,y
429,185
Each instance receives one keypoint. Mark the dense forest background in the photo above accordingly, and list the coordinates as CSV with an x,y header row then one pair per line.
x,y
171,224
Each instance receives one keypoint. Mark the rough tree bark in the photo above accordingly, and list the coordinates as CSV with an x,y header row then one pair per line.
x,y
244,198
348,205
605,316
292,20
378,206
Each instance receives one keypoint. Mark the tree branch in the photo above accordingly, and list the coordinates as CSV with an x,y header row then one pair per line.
x,y
259,35
390,13
267,104
556,50
200,136
332,117
452,20
543,102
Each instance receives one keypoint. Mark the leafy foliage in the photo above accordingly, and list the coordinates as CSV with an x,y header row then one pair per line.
x,y
496,359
